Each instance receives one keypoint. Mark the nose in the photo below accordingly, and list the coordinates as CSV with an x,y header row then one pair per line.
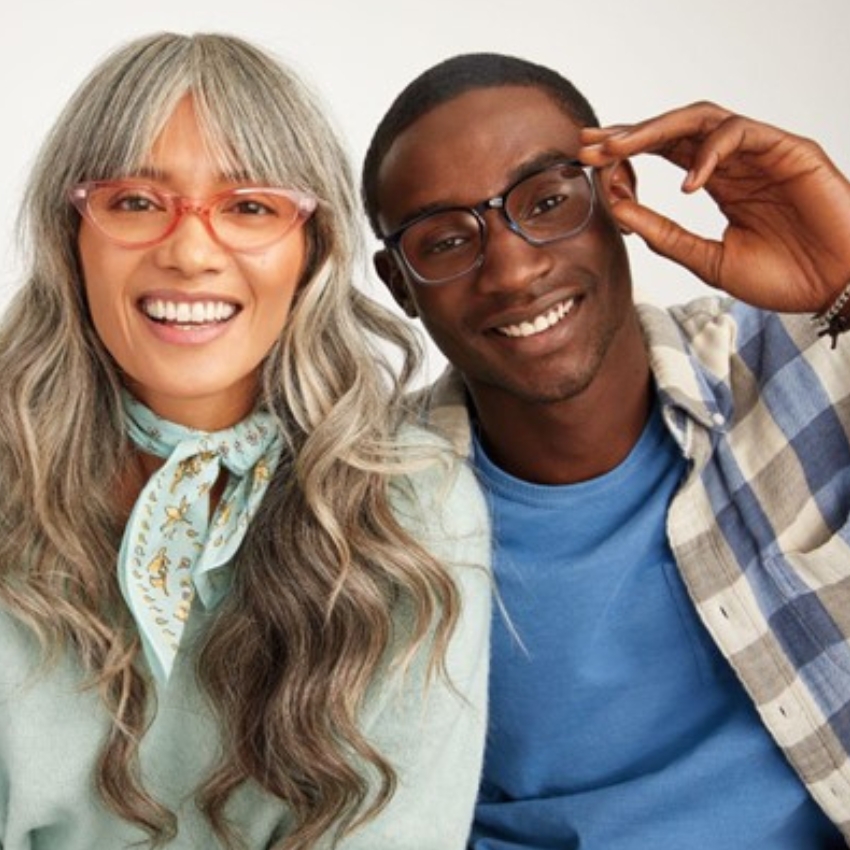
x,y
191,248
510,262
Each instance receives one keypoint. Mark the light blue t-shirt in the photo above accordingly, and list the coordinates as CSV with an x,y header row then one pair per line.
x,y
615,724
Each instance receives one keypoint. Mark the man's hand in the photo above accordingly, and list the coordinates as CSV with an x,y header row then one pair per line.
x,y
787,243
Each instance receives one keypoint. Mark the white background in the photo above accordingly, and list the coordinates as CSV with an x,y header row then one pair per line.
x,y
782,61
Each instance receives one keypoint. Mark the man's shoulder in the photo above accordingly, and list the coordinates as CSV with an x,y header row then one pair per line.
x,y
721,317
441,408
676,325
711,331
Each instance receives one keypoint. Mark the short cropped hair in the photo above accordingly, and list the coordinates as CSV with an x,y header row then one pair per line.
x,y
450,79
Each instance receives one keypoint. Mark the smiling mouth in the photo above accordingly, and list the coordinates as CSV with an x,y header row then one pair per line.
x,y
188,313
540,323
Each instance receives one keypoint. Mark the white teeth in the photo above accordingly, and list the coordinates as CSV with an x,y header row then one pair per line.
x,y
540,323
188,313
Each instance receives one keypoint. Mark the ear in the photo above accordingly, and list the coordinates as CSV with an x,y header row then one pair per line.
x,y
390,273
618,183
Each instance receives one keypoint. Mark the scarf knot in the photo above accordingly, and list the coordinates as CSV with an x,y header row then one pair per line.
x,y
172,548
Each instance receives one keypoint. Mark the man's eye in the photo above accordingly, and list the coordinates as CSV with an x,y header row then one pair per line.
x,y
444,244
442,234
547,204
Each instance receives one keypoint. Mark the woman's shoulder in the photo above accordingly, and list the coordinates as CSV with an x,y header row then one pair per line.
x,y
436,488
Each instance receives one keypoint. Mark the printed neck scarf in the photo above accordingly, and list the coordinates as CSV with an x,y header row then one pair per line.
x,y
172,548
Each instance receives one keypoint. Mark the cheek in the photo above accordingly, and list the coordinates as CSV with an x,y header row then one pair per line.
x,y
274,279
605,248
103,271
442,315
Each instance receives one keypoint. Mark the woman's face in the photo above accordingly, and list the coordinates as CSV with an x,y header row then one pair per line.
x,y
200,368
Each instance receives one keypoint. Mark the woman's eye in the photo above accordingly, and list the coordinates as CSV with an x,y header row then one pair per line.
x,y
250,206
136,203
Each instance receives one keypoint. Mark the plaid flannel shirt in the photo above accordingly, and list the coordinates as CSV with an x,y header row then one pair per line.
x,y
760,527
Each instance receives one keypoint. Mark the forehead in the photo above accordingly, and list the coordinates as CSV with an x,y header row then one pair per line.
x,y
189,144
470,148
181,125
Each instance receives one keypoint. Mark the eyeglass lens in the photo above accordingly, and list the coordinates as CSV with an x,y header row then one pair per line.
x,y
549,205
245,218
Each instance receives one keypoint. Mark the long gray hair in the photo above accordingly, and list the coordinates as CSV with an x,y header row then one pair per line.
x,y
292,651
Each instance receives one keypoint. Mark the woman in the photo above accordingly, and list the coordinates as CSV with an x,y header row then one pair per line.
x,y
241,602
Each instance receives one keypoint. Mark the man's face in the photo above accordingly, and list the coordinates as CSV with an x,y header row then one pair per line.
x,y
536,323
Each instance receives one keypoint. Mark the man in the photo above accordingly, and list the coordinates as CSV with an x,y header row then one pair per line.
x,y
670,488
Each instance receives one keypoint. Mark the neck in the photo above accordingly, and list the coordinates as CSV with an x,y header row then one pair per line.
x,y
204,412
140,467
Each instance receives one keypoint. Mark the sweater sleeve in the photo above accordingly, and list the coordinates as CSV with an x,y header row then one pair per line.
x,y
432,730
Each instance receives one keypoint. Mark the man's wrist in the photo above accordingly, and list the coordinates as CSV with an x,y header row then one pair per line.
x,y
835,320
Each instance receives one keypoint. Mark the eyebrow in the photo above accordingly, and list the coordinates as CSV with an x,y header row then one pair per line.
x,y
539,161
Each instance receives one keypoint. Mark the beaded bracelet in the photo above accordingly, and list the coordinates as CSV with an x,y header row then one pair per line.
x,y
832,321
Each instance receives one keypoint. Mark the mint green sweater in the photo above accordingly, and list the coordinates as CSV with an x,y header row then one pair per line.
x,y
51,730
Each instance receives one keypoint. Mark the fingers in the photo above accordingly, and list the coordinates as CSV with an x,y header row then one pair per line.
x,y
733,137
663,236
669,134
698,138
